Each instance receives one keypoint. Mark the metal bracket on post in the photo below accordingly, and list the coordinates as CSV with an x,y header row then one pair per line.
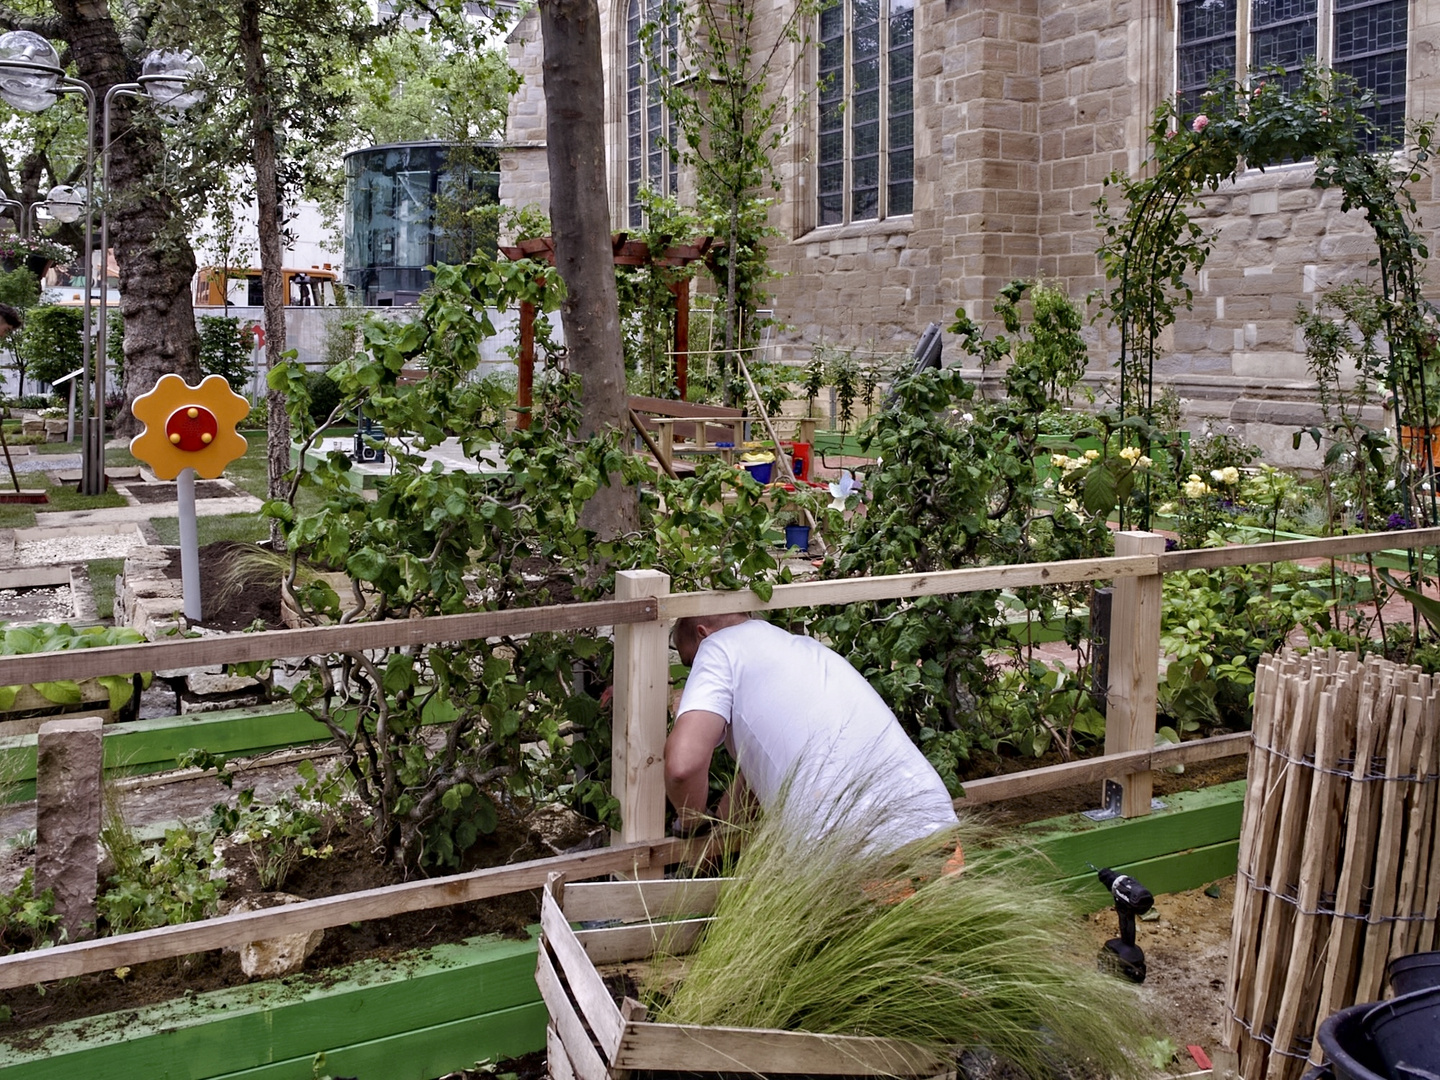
x,y
1110,808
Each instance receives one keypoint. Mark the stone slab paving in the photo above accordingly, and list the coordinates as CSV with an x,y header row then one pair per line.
x,y
115,515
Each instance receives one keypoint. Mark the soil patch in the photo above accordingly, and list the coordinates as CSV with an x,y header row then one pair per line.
x,y
146,494
352,866
1187,951
240,583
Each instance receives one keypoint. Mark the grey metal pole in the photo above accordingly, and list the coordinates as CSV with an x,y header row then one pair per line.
x,y
103,331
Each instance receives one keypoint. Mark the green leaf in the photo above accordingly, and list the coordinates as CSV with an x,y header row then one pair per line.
x,y
61,692
120,687
1099,494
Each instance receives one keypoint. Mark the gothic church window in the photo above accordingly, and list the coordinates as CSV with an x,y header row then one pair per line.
x,y
1364,39
650,130
865,160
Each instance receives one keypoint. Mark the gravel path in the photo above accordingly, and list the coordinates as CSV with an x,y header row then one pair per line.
x,y
68,549
31,463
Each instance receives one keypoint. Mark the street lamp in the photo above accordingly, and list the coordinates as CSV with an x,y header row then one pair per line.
x,y
31,80
169,78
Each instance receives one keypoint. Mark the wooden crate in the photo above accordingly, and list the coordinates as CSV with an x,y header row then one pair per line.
x,y
591,1037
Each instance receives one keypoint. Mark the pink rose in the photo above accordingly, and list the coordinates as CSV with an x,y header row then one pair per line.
x,y
1200,123
1171,133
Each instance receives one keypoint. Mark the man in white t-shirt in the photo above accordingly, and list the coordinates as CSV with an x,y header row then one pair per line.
x,y
792,711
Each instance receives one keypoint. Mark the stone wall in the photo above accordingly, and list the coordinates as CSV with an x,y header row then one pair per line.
x,y
1022,109
524,174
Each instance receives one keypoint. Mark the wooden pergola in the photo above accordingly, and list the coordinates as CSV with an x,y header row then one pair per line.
x,y
626,252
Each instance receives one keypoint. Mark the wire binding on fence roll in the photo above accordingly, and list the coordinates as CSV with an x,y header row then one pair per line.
x,y
1269,1040
1376,774
1295,903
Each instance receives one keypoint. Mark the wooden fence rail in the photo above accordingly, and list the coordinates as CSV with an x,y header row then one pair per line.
x,y
641,616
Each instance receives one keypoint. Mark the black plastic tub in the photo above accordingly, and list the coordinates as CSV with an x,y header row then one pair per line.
x,y
1404,1030
1348,1050
1418,971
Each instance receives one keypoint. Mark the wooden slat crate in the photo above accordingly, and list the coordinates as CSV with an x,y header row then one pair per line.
x,y
591,1037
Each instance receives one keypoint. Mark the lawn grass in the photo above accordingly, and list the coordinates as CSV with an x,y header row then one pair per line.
x,y
247,528
103,573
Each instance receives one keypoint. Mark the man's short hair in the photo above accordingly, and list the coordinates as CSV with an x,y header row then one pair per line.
x,y
13,316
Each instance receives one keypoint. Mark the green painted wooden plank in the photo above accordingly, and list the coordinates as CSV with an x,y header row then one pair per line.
x,y
1171,873
245,1027
1192,819
419,1054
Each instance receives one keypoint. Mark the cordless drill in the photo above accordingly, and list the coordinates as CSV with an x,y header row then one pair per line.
x,y
1121,955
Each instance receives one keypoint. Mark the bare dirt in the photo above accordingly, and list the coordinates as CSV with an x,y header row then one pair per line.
x,y
239,594
1186,949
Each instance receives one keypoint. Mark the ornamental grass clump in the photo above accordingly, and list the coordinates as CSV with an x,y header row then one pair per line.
x,y
823,934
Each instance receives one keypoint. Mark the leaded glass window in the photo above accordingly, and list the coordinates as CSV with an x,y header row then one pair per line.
x,y
1367,42
865,155
650,130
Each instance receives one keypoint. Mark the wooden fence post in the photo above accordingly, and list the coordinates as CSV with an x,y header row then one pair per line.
x,y
642,683
68,775
1134,671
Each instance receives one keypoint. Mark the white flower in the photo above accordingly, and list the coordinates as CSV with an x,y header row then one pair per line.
x,y
1073,506
1195,488
1166,509
841,490
1050,483
1092,455
1389,485
1230,475
1143,462
1058,460
1131,454
968,418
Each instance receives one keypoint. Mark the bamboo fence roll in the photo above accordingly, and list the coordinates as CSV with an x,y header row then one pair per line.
x,y
1337,868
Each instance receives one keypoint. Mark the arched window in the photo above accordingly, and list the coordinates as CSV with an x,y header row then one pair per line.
x,y
650,131
1364,39
866,153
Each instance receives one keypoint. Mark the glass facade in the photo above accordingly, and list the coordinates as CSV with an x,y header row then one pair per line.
x,y
405,210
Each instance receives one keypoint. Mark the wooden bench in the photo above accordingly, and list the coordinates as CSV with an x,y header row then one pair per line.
x,y
689,429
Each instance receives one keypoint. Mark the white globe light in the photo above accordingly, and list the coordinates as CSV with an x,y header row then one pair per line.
x,y
173,79
65,203
22,52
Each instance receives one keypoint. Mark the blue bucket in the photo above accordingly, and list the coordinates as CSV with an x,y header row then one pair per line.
x,y
761,472
798,538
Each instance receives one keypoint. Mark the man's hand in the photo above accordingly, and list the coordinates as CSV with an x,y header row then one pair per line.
x,y
687,763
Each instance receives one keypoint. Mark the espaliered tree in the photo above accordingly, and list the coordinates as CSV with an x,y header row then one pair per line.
x,y
1152,245
104,46
727,92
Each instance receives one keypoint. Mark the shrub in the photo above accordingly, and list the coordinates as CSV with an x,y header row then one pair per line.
x,y
51,346
324,394
224,350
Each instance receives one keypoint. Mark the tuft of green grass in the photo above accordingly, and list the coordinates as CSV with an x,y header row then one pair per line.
x,y
103,573
817,933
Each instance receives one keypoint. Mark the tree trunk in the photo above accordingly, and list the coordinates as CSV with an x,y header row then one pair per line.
x,y
267,207
580,219
153,253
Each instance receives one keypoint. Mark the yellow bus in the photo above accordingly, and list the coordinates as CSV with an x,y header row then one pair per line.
x,y
315,287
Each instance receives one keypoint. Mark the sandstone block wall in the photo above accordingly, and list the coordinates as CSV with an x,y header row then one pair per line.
x,y
1022,109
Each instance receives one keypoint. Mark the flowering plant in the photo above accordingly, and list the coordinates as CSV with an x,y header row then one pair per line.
x,y
14,248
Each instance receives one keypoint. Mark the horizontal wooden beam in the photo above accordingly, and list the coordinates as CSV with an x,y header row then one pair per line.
x,y
1093,770
1289,550
82,957
904,586
317,640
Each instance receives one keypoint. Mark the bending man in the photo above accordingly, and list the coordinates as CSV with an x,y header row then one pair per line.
x,y
792,711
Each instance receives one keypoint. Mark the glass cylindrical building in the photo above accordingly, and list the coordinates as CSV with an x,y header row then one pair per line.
x,y
408,206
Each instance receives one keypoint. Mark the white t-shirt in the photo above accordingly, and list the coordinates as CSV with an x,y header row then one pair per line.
x,y
796,710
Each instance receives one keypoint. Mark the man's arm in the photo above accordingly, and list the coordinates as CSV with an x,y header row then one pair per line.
x,y
688,750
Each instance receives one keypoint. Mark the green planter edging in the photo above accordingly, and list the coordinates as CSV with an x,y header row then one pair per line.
x,y
444,1009
1192,842
411,1018
155,745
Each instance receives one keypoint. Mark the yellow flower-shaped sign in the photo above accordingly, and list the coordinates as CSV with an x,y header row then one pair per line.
x,y
189,427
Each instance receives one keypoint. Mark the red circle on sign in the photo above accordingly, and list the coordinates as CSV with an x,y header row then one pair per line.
x,y
258,332
191,429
